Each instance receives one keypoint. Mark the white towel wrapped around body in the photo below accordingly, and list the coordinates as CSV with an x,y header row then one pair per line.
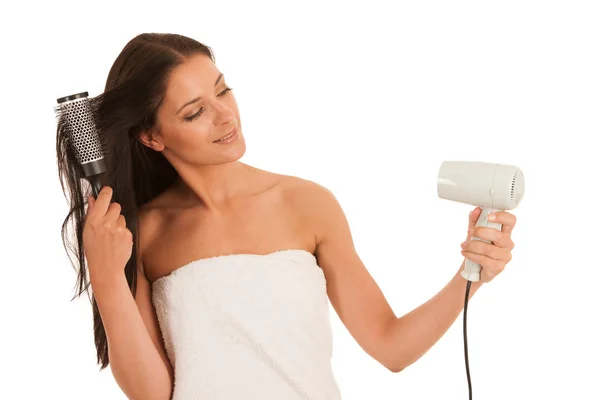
x,y
248,326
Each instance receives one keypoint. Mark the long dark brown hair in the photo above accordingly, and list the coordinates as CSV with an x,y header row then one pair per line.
x,y
134,90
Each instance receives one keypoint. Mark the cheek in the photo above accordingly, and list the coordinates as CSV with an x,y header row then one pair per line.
x,y
189,135
198,134
233,106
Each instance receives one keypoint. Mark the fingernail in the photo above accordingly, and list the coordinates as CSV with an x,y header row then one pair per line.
x,y
491,217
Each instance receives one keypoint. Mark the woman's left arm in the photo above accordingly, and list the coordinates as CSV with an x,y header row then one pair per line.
x,y
396,342
412,335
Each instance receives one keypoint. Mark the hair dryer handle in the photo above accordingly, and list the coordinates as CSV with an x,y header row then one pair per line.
x,y
472,270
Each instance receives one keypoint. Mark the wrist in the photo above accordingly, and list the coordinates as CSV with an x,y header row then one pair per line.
x,y
106,282
463,282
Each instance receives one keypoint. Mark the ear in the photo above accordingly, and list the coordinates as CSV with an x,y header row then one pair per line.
x,y
149,140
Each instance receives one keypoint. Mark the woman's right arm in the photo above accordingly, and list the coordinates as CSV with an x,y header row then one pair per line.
x,y
138,360
137,356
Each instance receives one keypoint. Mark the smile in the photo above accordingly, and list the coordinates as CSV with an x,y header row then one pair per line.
x,y
228,138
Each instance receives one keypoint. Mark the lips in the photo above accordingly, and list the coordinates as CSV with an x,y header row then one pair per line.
x,y
231,132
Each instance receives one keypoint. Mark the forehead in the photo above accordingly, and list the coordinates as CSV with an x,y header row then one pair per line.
x,y
193,78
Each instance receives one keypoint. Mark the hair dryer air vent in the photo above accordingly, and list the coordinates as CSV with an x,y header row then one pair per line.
x,y
517,187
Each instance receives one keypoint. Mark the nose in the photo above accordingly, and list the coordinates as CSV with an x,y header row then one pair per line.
x,y
223,114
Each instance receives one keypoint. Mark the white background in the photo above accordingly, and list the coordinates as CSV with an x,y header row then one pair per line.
x,y
367,99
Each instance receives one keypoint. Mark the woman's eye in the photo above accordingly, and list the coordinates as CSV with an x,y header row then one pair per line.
x,y
193,117
201,110
227,89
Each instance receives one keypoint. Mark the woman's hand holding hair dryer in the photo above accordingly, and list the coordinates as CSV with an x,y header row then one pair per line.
x,y
492,256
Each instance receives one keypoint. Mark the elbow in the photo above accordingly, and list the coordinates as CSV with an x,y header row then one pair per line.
x,y
154,396
389,352
394,369
393,366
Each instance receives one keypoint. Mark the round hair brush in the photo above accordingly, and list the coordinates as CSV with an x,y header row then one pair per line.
x,y
76,116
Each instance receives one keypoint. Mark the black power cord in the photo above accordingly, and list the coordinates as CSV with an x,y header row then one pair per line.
x,y
465,339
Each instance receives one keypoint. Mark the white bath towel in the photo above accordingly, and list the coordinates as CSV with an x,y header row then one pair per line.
x,y
247,326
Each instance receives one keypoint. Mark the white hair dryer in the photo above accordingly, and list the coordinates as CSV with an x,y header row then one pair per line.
x,y
493,187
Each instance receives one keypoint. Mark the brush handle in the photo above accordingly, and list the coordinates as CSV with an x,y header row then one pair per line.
x,y
96,183
472,270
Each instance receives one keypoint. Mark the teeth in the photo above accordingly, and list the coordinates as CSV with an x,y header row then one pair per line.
x,y
225,138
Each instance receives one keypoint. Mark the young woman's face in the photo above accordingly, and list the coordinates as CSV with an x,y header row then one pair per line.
x,y
198,110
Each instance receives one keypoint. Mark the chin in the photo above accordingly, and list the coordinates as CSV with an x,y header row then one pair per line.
x,y
234,151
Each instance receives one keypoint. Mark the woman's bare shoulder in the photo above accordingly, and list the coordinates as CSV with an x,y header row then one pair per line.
x,y
299,193
302,190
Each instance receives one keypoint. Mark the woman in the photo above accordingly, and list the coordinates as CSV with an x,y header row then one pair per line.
x,y
211,277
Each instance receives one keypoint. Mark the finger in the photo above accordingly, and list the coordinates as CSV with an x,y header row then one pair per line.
x,y
487,250
473,217
114,210
492,267
102,202
121,221
493,235
505,218
90,206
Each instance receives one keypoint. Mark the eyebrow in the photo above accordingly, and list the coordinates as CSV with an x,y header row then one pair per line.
x,y
199,97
